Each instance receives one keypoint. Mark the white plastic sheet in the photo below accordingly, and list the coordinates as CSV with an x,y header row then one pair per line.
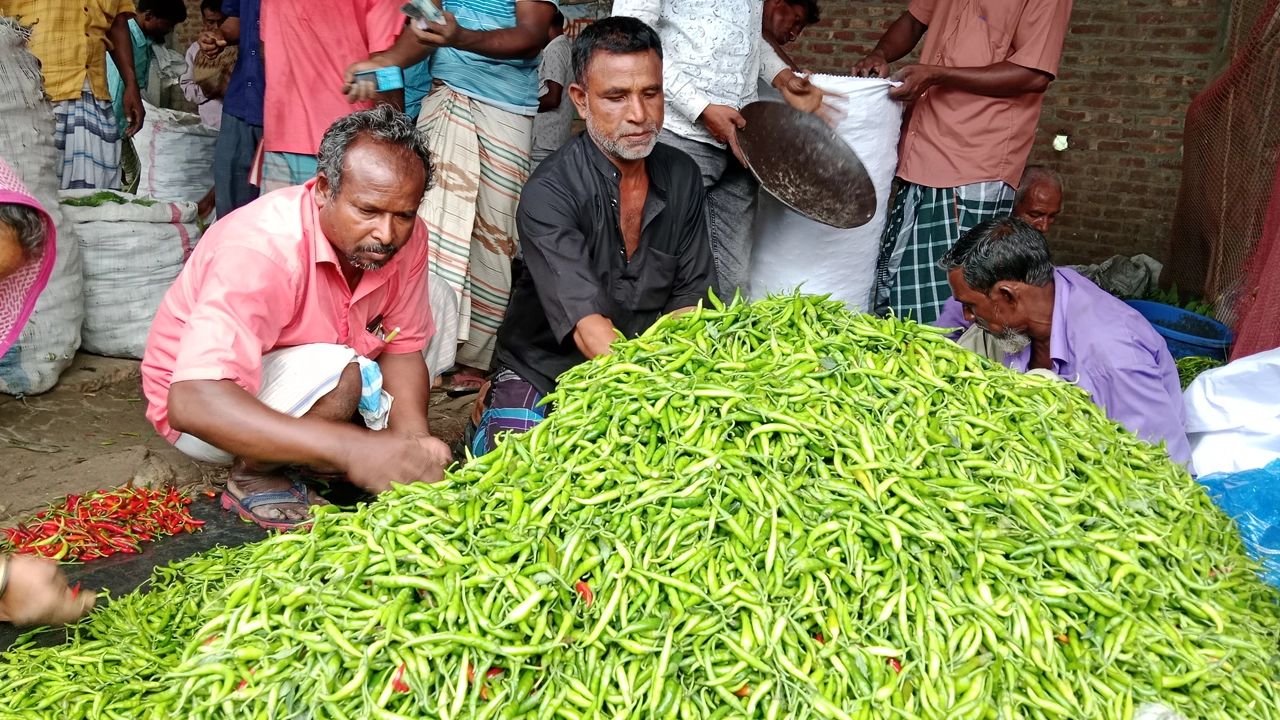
x,y
791,250
1233,415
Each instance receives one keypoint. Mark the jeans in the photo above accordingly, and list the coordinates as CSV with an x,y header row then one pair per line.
x,y
232,158
732,192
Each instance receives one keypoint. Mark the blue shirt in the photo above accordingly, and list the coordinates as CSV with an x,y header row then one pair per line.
x,y
248,80
417,84
510,85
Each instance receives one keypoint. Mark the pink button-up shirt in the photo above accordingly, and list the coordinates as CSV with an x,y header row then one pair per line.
x,y
955,138
266,277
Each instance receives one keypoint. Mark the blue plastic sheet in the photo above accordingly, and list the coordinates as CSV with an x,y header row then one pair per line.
x,y
1252,497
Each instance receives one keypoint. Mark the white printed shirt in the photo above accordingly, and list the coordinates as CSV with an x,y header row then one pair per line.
x,y
713,53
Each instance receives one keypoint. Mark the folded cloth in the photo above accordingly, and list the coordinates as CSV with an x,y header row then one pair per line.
x,y
294,379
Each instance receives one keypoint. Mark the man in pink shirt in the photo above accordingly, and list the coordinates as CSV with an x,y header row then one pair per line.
x,y
298,311
975,102
306,48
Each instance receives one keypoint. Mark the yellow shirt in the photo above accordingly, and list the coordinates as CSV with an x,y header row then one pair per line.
x,y
69,37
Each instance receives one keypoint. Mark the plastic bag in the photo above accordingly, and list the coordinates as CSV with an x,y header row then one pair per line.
x,y
1125,277
1252,497
1233,414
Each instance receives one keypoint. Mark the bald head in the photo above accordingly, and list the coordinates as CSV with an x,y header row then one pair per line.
x,y
1039,198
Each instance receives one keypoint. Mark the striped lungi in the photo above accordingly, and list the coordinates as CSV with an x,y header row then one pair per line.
x,y
85,132
924,223
481,160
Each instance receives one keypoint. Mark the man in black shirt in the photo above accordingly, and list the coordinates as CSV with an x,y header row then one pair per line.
x,y
612,225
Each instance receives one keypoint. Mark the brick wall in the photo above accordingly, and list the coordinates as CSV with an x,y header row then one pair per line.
x,y
1129,68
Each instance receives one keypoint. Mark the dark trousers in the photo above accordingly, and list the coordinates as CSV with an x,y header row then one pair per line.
x,y
237,142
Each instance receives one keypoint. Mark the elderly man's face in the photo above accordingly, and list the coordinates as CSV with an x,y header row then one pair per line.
x,y
373,215
1040,206
622,102
998,312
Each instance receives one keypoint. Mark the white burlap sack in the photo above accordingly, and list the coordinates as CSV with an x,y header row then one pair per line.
x,y
52,334
790,249
132,254
176,155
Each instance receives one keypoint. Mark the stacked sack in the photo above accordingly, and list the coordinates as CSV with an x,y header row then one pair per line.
x,y
133,249
52,334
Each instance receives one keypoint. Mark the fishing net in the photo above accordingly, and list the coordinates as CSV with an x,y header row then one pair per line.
x,y
1221,235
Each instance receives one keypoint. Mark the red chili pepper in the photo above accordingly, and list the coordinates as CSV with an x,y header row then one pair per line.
x,y
819,638
397,683
743,691
897,666
75,591
584,590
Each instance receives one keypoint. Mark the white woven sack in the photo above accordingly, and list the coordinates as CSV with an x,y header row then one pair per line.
x,y
132,254
793,251
52,334
176,155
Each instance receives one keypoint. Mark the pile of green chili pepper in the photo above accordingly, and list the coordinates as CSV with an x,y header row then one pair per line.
x,y
775,510
101,523
1190,367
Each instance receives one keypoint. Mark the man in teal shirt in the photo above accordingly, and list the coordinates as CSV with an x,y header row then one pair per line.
x,y
152,22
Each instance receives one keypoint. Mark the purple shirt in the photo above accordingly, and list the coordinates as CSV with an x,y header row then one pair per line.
x,y
1105,347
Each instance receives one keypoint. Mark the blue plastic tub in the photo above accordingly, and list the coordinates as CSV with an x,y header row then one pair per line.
x,y
1185,332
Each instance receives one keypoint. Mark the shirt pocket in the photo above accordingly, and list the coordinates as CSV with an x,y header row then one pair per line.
x,y
368,345
978,40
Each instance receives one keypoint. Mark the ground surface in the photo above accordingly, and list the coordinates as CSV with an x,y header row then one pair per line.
x,y
90,432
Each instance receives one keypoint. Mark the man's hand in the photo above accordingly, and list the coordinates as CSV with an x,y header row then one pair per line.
x,y
387,457
593,334
443,34
133,110
873,65
37,594
915,79
362,91
212,42
799,92
722,121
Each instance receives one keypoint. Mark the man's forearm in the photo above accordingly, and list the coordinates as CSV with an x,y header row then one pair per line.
x,y
122,49
1003,79
405,52
231,30
406,379
517,43
901,38
222,414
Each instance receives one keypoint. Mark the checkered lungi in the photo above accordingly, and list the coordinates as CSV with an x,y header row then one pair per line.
x,y
924,223
481,156
511,404
85,132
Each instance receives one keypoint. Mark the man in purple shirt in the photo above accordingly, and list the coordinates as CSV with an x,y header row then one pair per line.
x,y
1054,319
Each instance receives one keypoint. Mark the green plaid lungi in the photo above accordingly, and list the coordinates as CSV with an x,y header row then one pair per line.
x,y
924,223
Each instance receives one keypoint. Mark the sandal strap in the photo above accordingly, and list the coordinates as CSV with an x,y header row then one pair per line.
x,y
295,495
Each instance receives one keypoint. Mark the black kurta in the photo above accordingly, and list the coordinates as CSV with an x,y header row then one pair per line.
x,y
575,261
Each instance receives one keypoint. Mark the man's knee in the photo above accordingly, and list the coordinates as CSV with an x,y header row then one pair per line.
x,y
340,403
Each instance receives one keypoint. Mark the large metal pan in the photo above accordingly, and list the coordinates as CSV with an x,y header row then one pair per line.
x,y
803,163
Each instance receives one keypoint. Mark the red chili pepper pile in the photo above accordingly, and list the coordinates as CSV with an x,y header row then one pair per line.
x,y
102,523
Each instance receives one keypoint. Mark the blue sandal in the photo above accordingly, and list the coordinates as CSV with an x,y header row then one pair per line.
x,y
244,506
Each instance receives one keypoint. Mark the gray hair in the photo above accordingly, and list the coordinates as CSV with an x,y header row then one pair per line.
x,y
998,250
381,124
30,226
1032,175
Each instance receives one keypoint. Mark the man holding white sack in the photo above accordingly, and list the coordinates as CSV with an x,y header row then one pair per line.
x,y
295,313
976,97
713,55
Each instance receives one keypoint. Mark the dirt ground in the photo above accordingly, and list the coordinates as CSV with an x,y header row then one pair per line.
x,y
90,432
